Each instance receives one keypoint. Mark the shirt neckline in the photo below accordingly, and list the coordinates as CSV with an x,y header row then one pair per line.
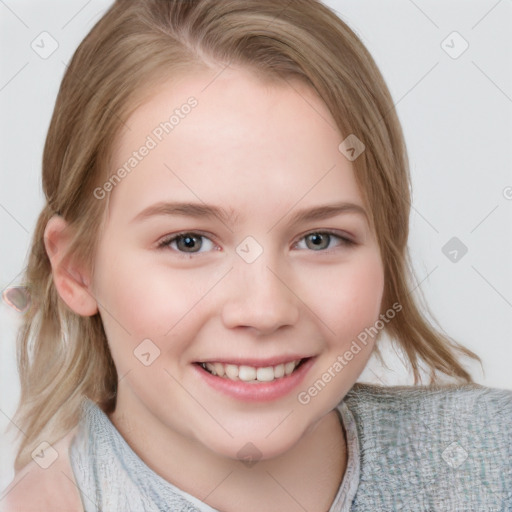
x,y
98,438
350,482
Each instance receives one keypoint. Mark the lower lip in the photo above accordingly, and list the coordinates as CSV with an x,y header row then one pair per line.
x,y
256,391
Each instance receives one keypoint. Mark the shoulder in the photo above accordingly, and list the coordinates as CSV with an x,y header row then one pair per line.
x,y
447,444
446,399
47,484
450,411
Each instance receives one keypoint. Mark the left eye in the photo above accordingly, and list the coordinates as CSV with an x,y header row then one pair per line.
x,y
320,241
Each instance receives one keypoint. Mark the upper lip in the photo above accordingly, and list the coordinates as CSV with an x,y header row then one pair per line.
x,y
257,363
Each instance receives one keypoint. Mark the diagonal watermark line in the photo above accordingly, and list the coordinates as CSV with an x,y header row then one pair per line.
x,y
279,13
404,95
426,277
421,215
309,103
486,14
286,491
418,82
11,421
14,279
123,376
493,210
82,493
280,423
14,218
332,332
199,403
215,77
378,378
424,14
492,81
300,199
489,283
8,490
225,225
217,486
2,2
75,15
97,15
199,300
14,76
425,219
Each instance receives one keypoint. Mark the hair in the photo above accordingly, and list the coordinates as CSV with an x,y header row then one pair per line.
x,y
62,356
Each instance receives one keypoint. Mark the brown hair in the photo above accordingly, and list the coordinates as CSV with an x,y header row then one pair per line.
x,y
62,356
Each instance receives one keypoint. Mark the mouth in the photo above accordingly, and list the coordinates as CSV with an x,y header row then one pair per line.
x,y
253,380
252,374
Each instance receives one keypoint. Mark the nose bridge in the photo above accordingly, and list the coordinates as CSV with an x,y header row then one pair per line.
x,y
259,298
260,281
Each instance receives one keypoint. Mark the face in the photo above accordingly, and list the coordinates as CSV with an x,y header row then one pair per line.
x,y
236,264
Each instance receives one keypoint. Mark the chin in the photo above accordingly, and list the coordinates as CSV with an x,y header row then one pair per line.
x,y
251,447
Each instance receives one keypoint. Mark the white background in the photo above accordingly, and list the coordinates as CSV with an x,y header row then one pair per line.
x,y
457,118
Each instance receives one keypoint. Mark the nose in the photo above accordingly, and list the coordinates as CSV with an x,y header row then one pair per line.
x,y
259,299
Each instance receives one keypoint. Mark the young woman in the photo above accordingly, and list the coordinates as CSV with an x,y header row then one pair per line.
x,y
223,244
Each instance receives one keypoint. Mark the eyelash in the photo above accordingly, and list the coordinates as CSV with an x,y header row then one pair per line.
x,y
168,240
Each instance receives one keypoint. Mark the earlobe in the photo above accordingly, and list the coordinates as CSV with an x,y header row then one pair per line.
x,y
71,281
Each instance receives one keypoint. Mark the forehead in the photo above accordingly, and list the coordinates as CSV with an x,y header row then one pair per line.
x,y
229,137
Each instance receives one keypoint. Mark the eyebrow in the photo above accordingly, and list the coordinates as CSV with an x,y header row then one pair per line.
x,y
197,210
201,210
327,211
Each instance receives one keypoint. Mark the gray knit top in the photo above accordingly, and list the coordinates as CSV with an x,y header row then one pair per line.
x,y
446,448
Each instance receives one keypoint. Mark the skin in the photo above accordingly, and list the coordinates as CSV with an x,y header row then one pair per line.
x,y
262,152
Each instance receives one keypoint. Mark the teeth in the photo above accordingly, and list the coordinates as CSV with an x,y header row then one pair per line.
x,y
279,371
231,371
265,374
246,373
289,367
219,369
211,368
250,373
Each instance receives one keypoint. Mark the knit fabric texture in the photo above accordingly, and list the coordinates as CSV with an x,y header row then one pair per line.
x,y
445,448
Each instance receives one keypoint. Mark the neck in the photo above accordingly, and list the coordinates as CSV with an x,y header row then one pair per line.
x,y
306,477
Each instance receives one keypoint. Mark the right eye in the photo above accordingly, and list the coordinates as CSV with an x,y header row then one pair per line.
x,y
189,242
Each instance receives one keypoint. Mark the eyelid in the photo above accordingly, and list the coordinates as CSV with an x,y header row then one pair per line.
x,y
345,240
328,231
165,241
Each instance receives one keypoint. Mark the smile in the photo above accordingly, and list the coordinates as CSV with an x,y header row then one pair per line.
x,y
255,381
254,374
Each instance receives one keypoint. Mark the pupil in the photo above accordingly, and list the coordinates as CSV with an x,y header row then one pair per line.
x,y
189,243
318,241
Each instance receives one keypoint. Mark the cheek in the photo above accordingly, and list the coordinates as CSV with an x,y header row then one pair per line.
x,y
142,299
352,297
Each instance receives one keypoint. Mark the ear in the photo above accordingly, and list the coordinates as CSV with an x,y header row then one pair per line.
x,y
71,281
